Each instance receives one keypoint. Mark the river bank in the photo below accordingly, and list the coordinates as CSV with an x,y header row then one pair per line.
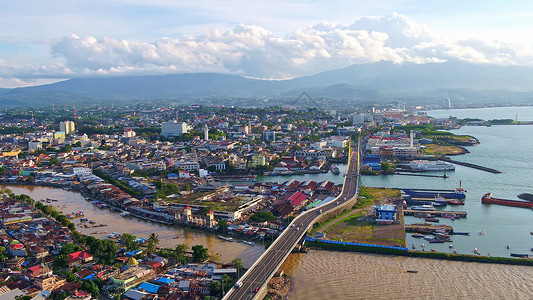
x,y
170,236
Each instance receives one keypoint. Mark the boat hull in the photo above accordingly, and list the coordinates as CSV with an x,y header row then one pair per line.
x,y
488,199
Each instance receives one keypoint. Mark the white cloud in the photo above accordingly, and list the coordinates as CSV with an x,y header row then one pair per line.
x,y
254,51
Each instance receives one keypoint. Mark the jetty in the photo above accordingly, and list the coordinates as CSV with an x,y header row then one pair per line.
x,y
460,214
474,166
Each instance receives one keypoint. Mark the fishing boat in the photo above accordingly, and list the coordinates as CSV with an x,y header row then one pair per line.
x,y
412,271
248,243
124,214
225,238
417,235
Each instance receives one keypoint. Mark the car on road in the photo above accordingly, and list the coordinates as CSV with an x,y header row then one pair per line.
x,y
256,290
238,284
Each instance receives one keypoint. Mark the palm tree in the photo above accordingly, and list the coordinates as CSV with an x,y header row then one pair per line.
x,y
153,240
237,263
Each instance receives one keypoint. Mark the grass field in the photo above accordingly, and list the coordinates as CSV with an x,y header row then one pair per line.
x,y
441,149
357,225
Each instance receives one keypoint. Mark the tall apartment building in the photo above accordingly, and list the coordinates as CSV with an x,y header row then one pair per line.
x,y
67,127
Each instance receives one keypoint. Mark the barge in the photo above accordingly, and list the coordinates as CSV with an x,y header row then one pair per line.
x,y
488,199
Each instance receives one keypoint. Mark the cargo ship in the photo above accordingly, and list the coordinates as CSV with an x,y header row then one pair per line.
x,y
488,199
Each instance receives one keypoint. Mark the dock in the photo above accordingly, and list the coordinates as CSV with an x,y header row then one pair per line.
x,y
494,171
411,212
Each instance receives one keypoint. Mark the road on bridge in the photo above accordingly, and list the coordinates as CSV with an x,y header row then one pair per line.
x,y
263,269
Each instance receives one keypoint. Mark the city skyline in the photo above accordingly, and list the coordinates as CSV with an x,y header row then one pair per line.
x,y
47,42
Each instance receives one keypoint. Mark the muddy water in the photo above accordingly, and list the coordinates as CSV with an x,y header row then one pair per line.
x,y
342,275
169,236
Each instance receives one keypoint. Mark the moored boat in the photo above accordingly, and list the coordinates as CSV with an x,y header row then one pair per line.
x,y
455,202
225,238
432,220
461,233
525,255
334,169
424,208
417,235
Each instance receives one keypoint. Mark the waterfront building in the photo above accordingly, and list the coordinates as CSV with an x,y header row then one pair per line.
x,y
67,127
385,214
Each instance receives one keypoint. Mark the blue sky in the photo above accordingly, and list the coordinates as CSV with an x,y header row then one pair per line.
x,y
45,41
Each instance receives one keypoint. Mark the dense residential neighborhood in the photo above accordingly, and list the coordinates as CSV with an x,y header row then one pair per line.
x,y
188,166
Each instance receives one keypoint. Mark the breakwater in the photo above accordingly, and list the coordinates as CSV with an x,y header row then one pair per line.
x,y
470,165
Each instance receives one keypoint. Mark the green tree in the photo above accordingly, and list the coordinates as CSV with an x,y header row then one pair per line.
x,y
69,248
153,241
199,253
53,161
91,287
129,240
237,263
222,225
262,216
3,255
181,249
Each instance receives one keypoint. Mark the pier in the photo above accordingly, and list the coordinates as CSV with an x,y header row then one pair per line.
x,y
494,171
411,212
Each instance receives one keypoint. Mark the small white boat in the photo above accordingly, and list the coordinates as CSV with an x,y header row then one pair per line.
x,y
424,208
225,238
249,243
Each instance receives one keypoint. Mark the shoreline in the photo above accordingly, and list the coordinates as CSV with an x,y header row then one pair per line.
x,y
422,254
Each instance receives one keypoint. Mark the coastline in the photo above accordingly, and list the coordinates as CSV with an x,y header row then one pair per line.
x,y
422,254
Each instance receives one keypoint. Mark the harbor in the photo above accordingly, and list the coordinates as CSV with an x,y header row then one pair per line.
x,y
491,226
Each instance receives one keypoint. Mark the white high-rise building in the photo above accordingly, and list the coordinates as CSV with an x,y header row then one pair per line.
x,y
206,133
67,127
173,128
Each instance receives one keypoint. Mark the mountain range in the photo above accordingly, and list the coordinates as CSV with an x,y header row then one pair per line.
x,y
377,82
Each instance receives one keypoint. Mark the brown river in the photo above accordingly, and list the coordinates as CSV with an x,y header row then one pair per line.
x,y
322,274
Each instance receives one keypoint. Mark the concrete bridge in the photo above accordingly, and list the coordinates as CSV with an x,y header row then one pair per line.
x,y
253,284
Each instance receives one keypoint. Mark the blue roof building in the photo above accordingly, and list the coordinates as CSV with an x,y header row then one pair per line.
x,y
385,214
164,280
149,287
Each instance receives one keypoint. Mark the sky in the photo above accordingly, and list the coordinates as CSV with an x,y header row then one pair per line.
x,y
47,41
